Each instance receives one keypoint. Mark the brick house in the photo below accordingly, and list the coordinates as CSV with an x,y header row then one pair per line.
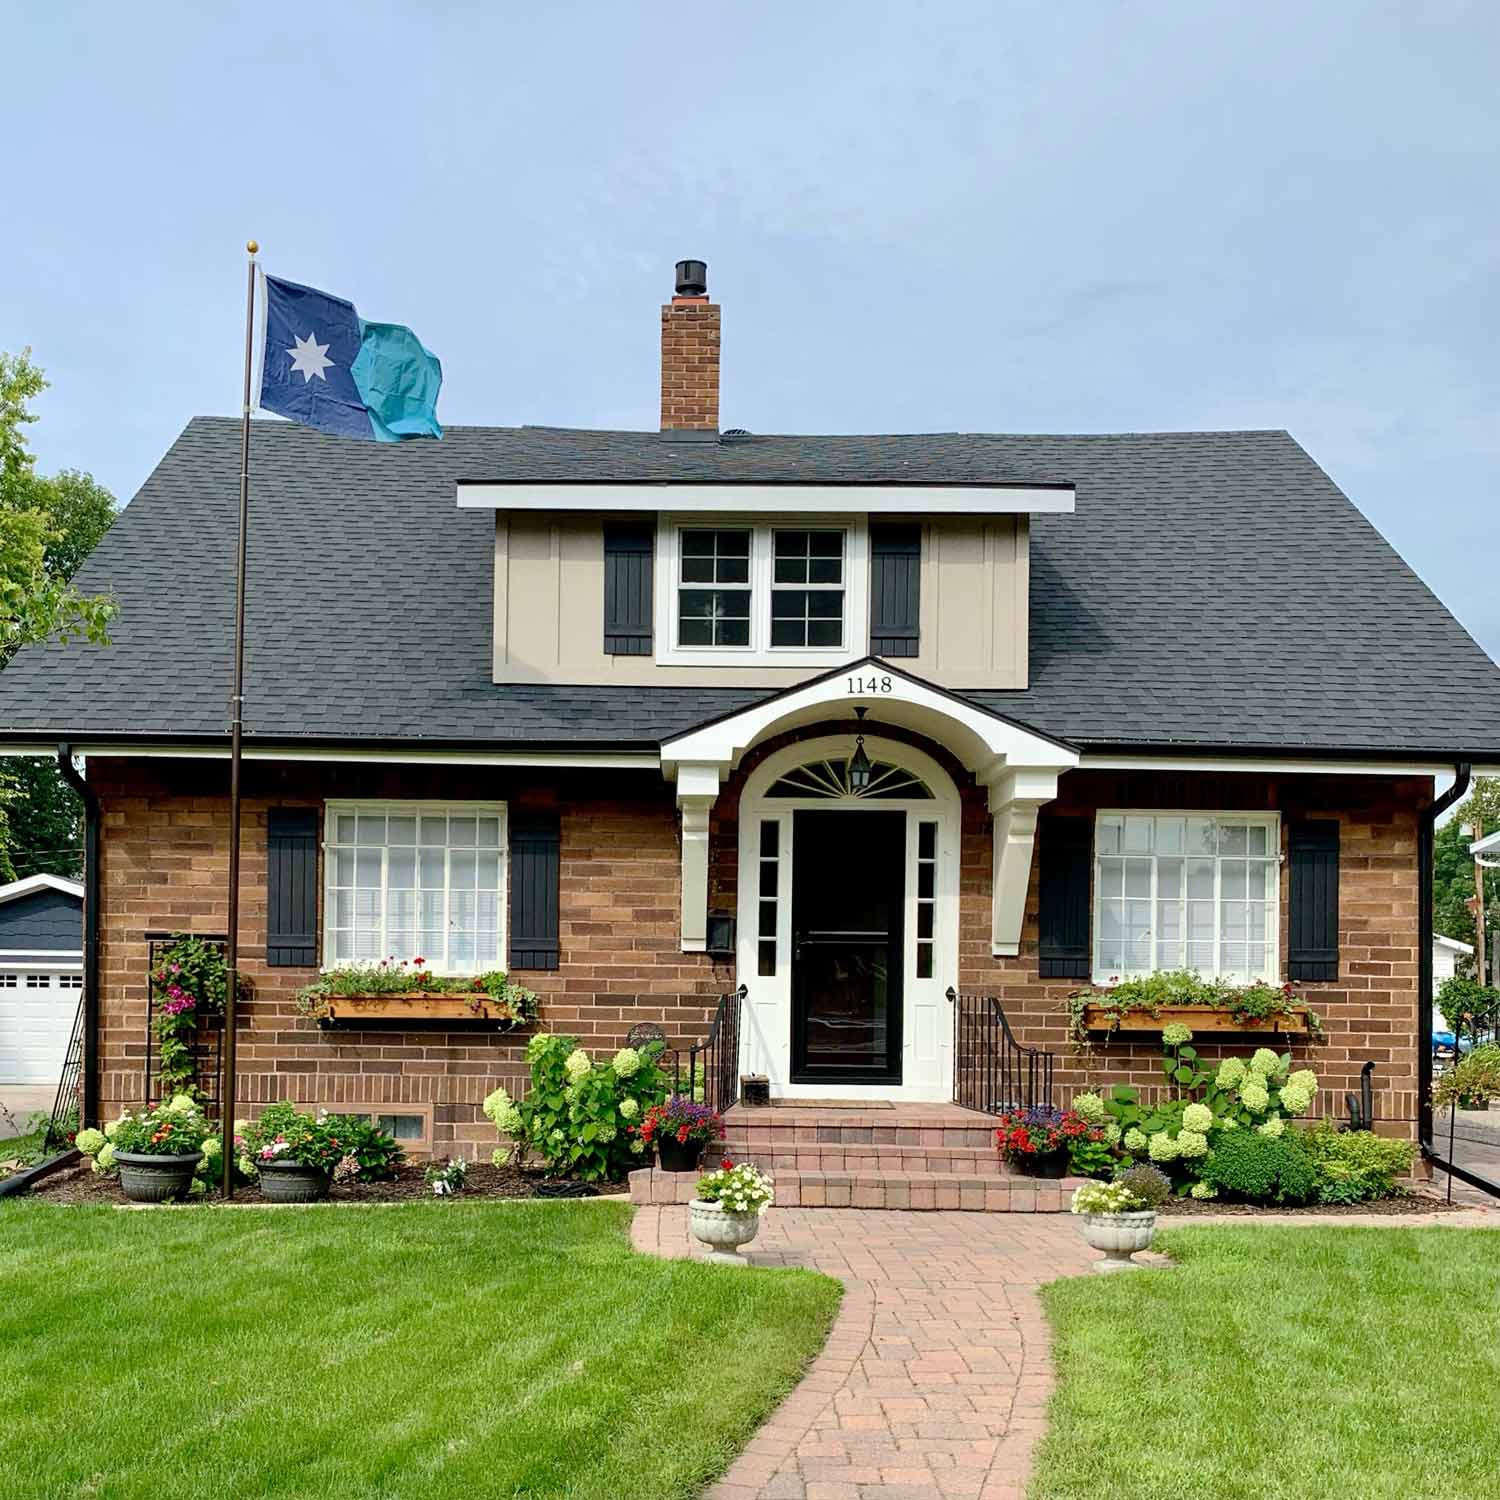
x,y
848,721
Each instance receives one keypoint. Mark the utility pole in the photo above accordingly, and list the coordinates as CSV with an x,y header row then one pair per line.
x,y
1475,832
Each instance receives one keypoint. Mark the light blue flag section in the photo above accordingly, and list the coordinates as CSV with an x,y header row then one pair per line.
x,y
322,365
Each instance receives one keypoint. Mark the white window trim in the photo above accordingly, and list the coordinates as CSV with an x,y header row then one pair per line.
x,y
1102,974
407,808
760,652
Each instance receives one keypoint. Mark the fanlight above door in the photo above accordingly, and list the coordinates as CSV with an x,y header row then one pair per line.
x,y
830,778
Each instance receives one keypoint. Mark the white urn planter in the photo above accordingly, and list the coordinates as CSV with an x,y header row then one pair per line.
x,y
1119,1236
723,1231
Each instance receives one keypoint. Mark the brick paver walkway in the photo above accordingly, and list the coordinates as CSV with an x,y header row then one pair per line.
x,y
934,1382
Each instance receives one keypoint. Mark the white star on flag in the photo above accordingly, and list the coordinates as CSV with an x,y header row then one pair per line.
x,y
311,358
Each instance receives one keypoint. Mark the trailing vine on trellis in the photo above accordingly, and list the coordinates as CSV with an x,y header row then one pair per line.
x,y
190,980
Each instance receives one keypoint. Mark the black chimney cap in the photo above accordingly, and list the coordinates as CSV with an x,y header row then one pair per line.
x,y
692,278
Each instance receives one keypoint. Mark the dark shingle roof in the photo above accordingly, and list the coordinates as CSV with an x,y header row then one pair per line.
x,y
1212,589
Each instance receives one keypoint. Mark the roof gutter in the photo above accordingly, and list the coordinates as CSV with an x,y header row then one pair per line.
x,y
1426,827
89,1112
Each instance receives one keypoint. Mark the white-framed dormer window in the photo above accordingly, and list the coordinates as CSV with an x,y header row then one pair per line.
x,y
1192,890
408,880
741,591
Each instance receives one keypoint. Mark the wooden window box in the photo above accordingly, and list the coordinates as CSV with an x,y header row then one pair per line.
x,y
1200,1018
415,1011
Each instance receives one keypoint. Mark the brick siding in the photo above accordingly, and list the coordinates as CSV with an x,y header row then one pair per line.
x,y
164,862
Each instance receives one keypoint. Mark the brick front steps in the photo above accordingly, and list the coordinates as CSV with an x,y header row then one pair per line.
x,y
900,1190
906,1156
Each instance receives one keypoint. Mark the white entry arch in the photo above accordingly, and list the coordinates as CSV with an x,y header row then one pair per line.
x,y
1017,766
925,792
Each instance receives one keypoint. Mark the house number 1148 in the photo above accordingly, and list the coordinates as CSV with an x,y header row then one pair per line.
x,y
870,684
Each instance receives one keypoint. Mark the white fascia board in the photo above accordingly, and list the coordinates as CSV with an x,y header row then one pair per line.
x,y
1453,945
647,760
981,740
1490,844
32,883
774,499
1264,764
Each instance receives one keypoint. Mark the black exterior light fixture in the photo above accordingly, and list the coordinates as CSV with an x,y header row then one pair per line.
x,y
859,763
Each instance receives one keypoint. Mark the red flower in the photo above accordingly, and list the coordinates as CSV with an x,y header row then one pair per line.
x,y
682,1134
727,1164
419,961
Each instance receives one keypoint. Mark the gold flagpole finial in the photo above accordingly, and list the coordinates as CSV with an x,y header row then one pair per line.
x,y
251,246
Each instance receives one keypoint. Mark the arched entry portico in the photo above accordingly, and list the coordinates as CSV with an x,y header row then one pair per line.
x,y
849,863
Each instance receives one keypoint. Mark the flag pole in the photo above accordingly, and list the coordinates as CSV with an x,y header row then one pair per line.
x,y
236,730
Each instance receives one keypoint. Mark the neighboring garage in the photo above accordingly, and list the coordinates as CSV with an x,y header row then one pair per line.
x,y
41,983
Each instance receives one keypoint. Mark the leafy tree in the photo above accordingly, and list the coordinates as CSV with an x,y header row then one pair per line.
x,y
48,526
1453,867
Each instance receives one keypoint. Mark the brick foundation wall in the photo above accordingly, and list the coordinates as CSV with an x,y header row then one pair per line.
x,y
164,864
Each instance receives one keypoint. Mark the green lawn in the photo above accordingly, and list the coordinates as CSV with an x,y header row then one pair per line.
x,y
1281,1364
413,1352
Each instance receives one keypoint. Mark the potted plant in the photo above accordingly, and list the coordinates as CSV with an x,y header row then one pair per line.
x,y
1119,1217
726,1212
158,1152
680,1129
1036,1141
1472,1082
293,1154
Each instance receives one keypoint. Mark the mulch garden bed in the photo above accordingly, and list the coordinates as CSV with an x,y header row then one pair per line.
x,y
83,1185
1406,1203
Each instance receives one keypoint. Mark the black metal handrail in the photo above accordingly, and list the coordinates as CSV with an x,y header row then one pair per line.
x,y
992,1071
64,1118
713,1065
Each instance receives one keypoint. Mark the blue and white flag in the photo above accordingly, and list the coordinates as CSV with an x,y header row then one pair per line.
x,y
324,366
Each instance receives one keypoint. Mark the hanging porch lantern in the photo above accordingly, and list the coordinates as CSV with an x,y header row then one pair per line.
x,y
859,763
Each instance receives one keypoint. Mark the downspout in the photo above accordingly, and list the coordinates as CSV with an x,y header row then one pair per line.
x,y
1426,826
89,1114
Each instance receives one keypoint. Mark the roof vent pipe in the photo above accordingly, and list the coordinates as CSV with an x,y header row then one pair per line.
x,y
692,278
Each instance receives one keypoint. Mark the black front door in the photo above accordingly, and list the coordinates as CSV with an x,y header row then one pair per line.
x,y
848,877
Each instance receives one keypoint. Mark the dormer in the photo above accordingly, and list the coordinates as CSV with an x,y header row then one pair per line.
x,y
695,557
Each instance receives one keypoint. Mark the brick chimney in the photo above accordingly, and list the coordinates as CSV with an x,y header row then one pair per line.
x,y
690,354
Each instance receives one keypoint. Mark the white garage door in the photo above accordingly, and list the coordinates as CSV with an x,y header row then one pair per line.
x,y
36,1022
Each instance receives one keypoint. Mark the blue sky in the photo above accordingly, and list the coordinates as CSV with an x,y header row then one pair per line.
x,y
1046,217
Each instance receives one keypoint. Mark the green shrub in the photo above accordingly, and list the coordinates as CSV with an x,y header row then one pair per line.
x,y
1262,1168
579,1113
1468,1006
1355,1165
1472,1080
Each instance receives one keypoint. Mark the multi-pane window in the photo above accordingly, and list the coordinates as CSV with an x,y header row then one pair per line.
x,y
9,981
1186,891
714,594
410,880
756,591
70,981
807,589
769,885
926,896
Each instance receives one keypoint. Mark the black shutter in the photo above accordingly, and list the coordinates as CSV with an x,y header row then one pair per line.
x,y
535,863
1313,863
292,887
895,589
627,588
1066,878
